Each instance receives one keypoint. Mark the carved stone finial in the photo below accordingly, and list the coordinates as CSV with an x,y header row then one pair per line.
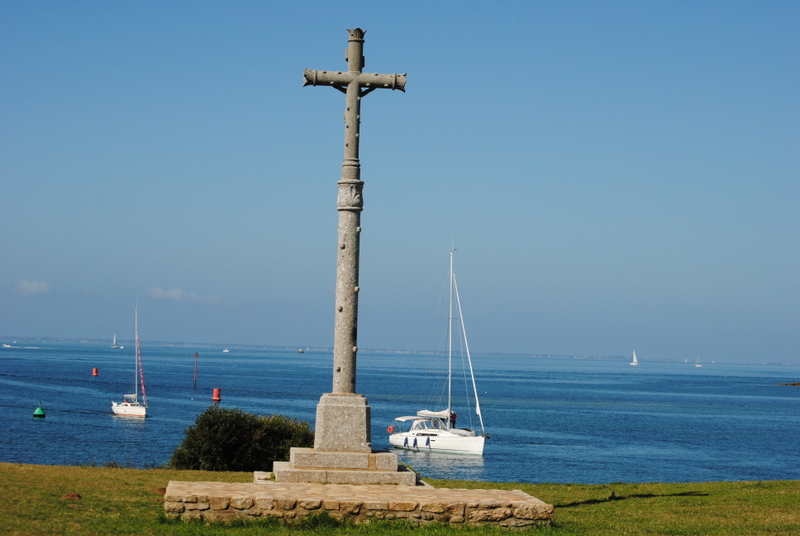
x,y
357,34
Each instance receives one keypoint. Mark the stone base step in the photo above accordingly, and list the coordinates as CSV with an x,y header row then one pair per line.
x,y
284,472
221,502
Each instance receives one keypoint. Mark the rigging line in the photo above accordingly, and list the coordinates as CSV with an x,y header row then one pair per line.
x,y
469,357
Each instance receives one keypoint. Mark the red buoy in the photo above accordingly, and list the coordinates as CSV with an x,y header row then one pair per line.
x,y
216,396
94,371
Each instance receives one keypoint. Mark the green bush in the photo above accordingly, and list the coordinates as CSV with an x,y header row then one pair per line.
x,y
232,440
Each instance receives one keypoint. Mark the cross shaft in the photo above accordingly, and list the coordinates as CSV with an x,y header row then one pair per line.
x,y
354,84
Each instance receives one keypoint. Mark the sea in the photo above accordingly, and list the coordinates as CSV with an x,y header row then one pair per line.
x,y
551,419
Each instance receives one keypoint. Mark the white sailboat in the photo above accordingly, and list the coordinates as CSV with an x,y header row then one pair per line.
x,y
114,343
131,406
435,431
635,361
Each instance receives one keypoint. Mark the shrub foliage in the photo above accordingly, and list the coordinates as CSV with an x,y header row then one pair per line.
x,y
233,440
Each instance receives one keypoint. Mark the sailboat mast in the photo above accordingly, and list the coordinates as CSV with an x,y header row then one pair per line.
x,y
450,341
136,351
139,369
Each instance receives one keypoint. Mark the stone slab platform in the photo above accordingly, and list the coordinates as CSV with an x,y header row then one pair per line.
x,y
221,502
285,472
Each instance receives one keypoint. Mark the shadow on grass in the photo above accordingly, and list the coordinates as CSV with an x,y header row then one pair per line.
x,y
615,497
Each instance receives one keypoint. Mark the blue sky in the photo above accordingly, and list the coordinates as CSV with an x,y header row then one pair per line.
x,y
616,175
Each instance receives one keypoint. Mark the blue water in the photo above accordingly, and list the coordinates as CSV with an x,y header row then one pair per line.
x,y
551,420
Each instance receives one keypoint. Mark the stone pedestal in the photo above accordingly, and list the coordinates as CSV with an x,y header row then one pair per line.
x,y
342,452
343,423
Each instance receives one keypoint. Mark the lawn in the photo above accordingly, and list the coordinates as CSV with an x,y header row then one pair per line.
x,y
45,500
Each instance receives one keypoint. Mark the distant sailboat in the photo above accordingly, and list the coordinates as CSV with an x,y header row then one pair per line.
x,y
635,361
131,406
114,343
697,363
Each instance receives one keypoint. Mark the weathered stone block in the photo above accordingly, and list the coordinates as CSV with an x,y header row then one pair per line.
x,y
350,507
435,507
456,509
533,511
310,504
220,517
242,503
286,504
399,506
219,503
191,515
174,507
265,505
494,515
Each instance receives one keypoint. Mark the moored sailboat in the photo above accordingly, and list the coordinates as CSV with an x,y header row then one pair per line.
x,y
132,405
435,431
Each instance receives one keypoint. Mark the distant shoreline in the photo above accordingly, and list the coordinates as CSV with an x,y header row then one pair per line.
x,y
10,342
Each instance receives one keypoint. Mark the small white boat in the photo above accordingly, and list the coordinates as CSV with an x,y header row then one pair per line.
x,y
697,363
435,431
114,343
635,361
131,405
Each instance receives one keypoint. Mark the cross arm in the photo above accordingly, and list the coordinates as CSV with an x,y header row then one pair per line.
x,y
340,79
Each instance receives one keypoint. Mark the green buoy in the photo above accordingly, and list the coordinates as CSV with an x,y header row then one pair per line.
x,y
38,413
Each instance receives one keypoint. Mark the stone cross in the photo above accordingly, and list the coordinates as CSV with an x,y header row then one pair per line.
x,y
355,84
343,417
342,452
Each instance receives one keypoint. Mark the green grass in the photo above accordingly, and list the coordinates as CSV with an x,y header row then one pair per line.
x,y
119,501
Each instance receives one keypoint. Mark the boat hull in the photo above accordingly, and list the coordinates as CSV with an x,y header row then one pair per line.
x,y
438,442
128,410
